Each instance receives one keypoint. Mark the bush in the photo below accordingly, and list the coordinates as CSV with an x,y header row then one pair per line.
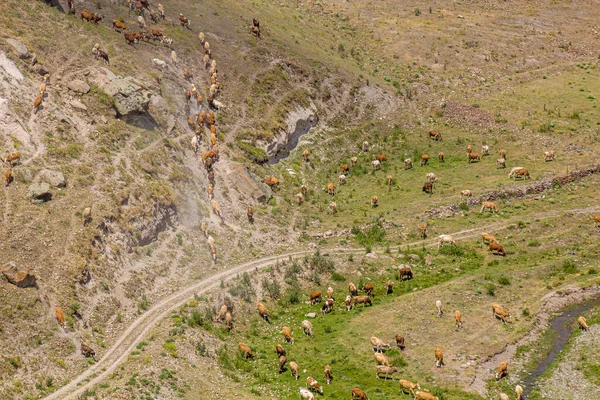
x,y
272,288
338,277
256,154
452,251
503,280
490,289
320,264
243,289
569,267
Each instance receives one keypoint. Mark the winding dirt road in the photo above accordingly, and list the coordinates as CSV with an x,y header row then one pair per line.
x,y
126,343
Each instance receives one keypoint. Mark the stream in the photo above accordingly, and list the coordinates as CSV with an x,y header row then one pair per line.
x,y
563,325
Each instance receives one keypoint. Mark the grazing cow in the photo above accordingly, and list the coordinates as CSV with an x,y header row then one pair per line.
x,y
365,147
582,323
500,163
271,181
348,302
358,394
98,54
446,239
408,385
250,214
215,207
498,311
521,173
228,321
344,168
330,292
502,370
487,239
458,320
305,155
389,181
473,157
596,221
315,297
213,253
87,215
425,396
408,163
314,385
352,289
497,249
183,21
303,189
466,193
435,135
441,157
504,396
519,392
376,164
280,350
423,231
502,154
430,177
287,334
389,287
438,305
263,312
60,317
255,31
255,23
299,198
330,188
469,148
327,306
485,150
366,300
353,160
118,25
489,205
406,273
382,369
7,176
439,358
328,374
549,156
400,341
333,207
305,394
295,370
424,160
379,345
307,328
428,188
342,179
87,351
374,201
381,158
282,361
221,314
245,350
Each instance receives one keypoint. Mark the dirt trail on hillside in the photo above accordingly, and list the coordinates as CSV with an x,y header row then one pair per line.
x,y
126,343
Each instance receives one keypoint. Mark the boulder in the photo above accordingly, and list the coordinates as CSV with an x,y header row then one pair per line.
x,y
19,48
18,276
39,192
78,86
311,315
54,178
414,257
428,260
240,179
130,97
40,69
77,105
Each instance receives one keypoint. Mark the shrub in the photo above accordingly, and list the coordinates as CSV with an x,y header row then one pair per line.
x,y
338,277
490,289
569,267
503,280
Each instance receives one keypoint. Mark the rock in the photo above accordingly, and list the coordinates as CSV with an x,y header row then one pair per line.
x,y
311,315
41,70
316,223
414,257
54,178
23,175
170,125
8,68
78,86
299,121
76,104
39,192
129,95
240,179
17,276
159,63
428,259
19,48
400,256
371,255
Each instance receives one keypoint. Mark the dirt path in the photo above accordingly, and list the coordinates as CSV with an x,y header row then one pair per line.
x,y
126,343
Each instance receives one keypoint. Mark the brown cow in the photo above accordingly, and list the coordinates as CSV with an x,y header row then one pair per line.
x,y
87,351
7,176
305,155
425,396
582,323
487,239
498,311
328,374
521,173
213,253
378,345
295,370
348,302
368,288
424,160
382,369
473,157
389,287
457,319
381,158
596,221
13,158
315,297
60,317
330,292
280,350
245,350
374,201
502,370
406,272
441,157
263,312
271,181
330,188
423,231
548,156
314,385
366,300
497,249
428,188
90,16
435,135
215,207
358,394
282,361
344,168
439,358
250,214
352,289
408,385
400,341
37,102
502,154
228,321
389,180
469,148
287,334
489,205
118,25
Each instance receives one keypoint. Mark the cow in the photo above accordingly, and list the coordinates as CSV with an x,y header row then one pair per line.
x,y
250,214
314,297
582,323
287,334
303,189
519,392
344,168
13,158
425,396
489,205
466,193
215,207
330,292
406,273
141,22
374,201
504,396
497,249
305,155
330,189
314,385
342,179
441,157
408,385
500,163
487,239
87,215
327,306
221,314
378,345
203,228
245,350
521,173
430,177
428,188
439,358
389,287
457,318
473,157
255,31
435,135
390,179
183,21
305,394
348,302
469,148
485,150
502,370
376,165
424,160
118,25
400,341
132,39
307,328
87,351
438,306
408,163
596,221
365,146
263,312
90,16
7,176
500,312
502,154
228,321
60,317
280,350
271,181
358,394
446,239
282,361
382,369
423,231
213,253
295,370
37,102
381,158
327,371
366,300
352,289
333,207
